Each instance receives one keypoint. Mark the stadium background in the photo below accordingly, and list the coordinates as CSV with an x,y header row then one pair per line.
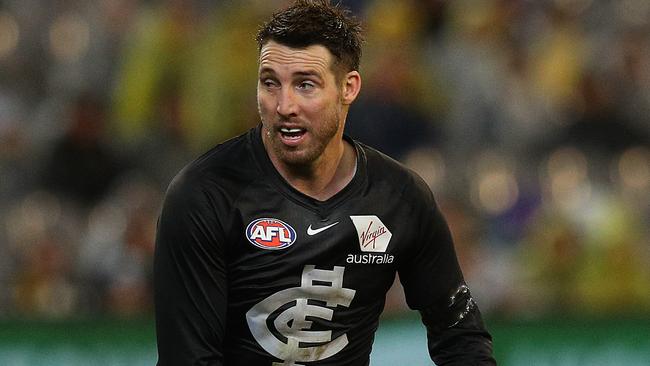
x,y
530,120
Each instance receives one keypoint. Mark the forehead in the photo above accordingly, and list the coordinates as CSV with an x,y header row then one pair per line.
x,y
281,58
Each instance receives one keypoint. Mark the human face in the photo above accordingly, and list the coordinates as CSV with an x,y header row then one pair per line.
x,y
300,104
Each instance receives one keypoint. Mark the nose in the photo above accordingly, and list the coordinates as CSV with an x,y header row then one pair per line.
x,y
286,103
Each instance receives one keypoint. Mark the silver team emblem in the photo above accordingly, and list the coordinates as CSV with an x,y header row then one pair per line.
x,y
300,343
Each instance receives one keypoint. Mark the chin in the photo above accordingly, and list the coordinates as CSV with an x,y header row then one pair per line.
x,y
296,157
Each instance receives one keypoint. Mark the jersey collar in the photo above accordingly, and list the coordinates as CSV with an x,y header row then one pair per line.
x,y
266,166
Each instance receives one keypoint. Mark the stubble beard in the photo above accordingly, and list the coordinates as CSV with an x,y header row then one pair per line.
x,y
304,155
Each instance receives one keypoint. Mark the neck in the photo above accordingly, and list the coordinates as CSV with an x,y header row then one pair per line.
x,y
326,176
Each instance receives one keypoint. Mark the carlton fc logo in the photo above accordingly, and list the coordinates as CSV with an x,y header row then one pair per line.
x,y
296,324
273,234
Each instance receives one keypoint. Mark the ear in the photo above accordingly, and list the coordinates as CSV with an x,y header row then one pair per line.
x,y
351,87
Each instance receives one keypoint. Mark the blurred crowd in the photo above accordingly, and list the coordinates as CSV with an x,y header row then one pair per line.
x,y
530,120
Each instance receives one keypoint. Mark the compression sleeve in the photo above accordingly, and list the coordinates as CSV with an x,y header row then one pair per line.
x,y
434,285
190,288
464,340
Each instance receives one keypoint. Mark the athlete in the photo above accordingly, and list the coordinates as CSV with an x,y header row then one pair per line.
x,y
277,247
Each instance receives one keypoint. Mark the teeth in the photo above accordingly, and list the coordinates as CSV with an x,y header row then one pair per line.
x,y
290,130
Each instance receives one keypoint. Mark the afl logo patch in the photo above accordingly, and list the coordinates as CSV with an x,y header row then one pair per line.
x,y
270,234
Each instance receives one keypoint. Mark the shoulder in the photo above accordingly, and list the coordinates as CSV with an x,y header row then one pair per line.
x,y
384,170
222,170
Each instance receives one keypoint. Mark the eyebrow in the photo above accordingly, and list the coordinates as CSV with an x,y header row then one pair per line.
x,y
267,70
309,73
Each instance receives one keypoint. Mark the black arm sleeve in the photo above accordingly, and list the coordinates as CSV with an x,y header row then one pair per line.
x,y
190,287
464,341
434,285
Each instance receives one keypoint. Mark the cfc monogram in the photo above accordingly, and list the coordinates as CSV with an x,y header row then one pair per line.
x,y
298,342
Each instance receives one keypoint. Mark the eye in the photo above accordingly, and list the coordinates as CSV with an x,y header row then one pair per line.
x,y
269,83
306,85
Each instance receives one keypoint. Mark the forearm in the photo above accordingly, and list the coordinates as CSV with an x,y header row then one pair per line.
x,y
456,335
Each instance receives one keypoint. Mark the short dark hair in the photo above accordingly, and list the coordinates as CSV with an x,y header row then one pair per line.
x,y
316,22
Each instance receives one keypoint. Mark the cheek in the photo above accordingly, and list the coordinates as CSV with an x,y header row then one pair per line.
x,y
264,104
317,106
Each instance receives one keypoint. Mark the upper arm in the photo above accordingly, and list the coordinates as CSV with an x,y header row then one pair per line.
x,y
190,283
433,284
431,274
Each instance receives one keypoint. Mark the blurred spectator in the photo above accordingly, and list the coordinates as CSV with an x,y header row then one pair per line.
x,y
390,113
117,251
42,286
42,242
80,167
15,176
600,127
202,60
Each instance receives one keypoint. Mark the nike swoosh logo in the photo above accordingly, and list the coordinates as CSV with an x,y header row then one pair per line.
x,y
311,231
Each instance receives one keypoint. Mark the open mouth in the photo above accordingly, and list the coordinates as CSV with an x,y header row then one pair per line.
x,y
292,134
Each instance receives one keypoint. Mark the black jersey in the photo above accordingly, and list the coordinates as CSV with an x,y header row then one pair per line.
x,y
251,272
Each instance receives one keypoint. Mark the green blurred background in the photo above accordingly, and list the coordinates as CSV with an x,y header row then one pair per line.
x,y
530,121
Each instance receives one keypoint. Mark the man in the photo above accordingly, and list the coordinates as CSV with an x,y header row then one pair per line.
x,y
278,246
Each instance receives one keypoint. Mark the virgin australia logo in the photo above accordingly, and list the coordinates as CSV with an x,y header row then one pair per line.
x,y
374,236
